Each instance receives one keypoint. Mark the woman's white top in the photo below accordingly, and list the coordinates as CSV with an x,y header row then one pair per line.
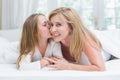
x,y
53,49
84,59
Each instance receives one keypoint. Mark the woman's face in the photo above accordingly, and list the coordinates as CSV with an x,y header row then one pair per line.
x,y
43,27
60,30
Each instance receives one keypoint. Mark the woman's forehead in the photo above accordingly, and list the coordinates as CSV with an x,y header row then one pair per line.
x,y
58,18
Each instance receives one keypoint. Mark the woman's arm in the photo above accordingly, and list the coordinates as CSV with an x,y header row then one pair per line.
x,y
93,52
94,55
62,64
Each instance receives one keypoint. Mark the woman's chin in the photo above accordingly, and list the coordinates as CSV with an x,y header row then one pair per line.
x,y
56,40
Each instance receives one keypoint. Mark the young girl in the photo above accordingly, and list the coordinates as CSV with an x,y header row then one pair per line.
x,y
36,43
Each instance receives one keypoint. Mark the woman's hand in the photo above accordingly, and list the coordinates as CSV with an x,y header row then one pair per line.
x,y
59,63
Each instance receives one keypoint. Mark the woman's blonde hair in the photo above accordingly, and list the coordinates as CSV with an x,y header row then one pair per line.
x,y
29,38
79,33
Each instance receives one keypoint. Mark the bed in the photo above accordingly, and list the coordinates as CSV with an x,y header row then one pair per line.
x,y
9,71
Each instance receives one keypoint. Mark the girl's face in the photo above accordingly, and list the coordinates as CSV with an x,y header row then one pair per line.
x,y
43,27
60,30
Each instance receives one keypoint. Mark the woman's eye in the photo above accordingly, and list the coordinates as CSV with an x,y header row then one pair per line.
x,y
58,25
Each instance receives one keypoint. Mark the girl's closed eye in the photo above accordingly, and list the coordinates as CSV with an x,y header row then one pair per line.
x,y
45,24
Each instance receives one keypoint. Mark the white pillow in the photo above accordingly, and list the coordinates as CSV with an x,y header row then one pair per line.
x,y
106,55
110,40
11,34
3,43
3,40
9,53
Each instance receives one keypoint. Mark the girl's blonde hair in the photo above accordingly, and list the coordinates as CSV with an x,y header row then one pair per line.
x,y
29,38
79,33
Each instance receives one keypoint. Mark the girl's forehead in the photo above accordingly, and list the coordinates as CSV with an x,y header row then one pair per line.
x,y
41,18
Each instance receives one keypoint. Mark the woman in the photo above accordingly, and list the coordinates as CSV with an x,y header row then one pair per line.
x,y
77,43
36,44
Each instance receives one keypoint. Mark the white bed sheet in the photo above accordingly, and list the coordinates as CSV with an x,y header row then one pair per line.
x,y
9,72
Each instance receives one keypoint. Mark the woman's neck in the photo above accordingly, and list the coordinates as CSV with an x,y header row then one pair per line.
x,y
66,42
65,46
66,53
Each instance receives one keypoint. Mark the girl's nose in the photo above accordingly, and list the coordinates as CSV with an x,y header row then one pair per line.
x,y
48,26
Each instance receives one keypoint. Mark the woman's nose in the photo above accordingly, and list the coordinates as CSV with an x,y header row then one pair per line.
x,y
53,29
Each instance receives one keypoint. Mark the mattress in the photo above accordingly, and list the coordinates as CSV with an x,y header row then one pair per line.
x,y
9,72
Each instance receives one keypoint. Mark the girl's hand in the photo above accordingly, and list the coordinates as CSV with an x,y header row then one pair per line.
x,y
44,62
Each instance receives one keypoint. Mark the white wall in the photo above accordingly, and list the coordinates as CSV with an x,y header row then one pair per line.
x,y
0,13
14,12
